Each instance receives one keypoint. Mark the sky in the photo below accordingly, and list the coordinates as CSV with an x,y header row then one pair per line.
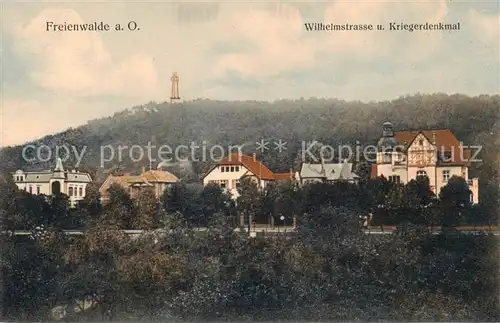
x,y
232,51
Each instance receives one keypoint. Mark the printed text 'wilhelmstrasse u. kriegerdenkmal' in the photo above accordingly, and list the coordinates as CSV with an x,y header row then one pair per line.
x,y
391,26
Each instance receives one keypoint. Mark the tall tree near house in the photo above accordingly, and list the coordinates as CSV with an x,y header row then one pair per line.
x,y
212,200
147,214
250,199
92,200
454,198
421,190
120,209
9,195
185,200
59,206
286,201
363,170
175,199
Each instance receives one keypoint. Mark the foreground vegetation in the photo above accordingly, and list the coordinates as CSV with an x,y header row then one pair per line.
x,y
327,270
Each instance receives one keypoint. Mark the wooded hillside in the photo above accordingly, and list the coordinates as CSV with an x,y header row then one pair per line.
x,y
474,120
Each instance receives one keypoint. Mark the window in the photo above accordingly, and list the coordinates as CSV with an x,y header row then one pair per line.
x,y
80,191
421,142
421,173
30,189
237,183
237,168
232,168
17,178
221,183
21,178
446,176
395,179
70,191
38,190
223,169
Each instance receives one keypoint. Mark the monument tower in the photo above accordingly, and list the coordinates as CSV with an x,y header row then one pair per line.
x,y
174,96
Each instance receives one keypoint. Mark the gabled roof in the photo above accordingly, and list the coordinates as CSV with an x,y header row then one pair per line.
x,y
444,137
445,142
329,172
156,176
257,168
122,180
148,178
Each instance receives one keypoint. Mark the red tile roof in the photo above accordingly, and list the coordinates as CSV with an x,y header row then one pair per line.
x,y
445,142
284,176
257,168
445,139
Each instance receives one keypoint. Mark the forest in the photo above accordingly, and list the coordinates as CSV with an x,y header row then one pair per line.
x,y
328,269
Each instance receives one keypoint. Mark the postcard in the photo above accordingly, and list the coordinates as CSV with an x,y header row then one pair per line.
x,y
250,160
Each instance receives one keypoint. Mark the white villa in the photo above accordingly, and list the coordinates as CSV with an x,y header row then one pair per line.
x,y
437,154
230,170
55,181
314,173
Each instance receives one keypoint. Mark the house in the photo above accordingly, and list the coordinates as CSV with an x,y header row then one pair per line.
x,y
314,173
228,172
72,183
156,180
437,154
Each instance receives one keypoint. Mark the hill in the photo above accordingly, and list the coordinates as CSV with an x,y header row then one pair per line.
x,y
475,121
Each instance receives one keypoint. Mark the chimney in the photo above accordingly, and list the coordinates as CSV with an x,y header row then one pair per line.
x,y
433,138
254,157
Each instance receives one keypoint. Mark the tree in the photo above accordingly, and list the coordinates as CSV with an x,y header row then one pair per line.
x,y
249,200
9,195
91,203
212,200
120,209
454,197
184,199
147,211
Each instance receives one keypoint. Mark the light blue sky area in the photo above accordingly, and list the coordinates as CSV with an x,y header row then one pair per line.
x,y
233,51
